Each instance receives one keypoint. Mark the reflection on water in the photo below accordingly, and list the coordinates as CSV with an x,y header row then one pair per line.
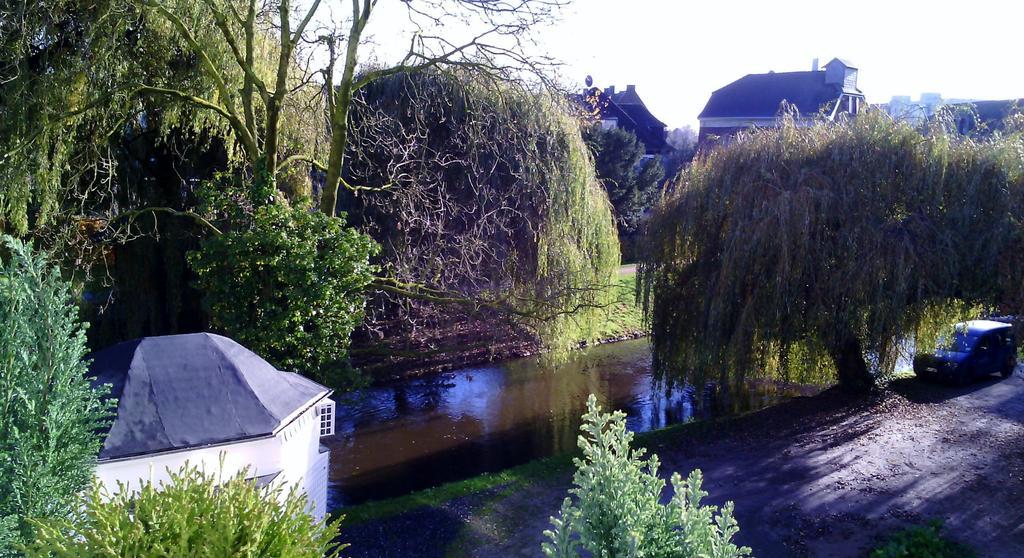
x,y
395,439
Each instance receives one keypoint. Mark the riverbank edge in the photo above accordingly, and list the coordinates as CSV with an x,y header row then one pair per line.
x,y
427,372
508,480
624,322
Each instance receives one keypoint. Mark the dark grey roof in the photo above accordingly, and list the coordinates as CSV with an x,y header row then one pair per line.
x,y
631,112
759,95
264,480
182,391
631,103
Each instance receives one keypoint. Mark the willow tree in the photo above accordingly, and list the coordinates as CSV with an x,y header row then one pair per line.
x,y
50,54
269,85
486,197
267,64
273,80
829,244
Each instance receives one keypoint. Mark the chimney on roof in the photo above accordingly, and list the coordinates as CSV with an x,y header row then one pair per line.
x,y
814,65
630,87
610,90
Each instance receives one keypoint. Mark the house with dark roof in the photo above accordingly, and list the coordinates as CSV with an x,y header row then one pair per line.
x,y
983,117
208,401
757,100
625,109
968,116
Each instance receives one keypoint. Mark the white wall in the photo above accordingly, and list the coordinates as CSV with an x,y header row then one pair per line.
x,y
294,451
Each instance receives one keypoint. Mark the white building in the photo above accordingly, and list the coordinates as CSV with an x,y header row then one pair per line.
x,y
206,400
902,108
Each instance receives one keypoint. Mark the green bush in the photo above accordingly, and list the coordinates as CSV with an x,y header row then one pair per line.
x,y
923,541
617,511
290,286
191,515
49,414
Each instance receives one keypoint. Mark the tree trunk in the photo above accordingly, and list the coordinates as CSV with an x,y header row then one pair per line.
x,y
336,158
851,366
339,102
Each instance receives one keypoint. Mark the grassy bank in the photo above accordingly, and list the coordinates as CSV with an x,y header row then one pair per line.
x,y
624,318
509,480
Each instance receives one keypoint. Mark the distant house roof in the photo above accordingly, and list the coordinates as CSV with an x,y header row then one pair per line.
x,y
182,391
631,102
631,114
991,114
760,95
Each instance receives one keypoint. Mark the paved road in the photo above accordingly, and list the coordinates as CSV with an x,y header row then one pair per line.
x,y
823,476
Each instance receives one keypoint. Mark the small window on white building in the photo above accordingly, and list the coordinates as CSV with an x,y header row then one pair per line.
x,y
326,413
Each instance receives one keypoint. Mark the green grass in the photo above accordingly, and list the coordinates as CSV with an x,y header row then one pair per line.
x,y
921,541
508,480
624,317
514,478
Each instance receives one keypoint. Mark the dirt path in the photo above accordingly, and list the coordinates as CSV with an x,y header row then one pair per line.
x,y
822,476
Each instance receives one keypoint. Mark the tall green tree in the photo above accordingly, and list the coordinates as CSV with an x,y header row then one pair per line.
x,y
489,196
826,246
632,181
53,55
276,78
270,85
49,414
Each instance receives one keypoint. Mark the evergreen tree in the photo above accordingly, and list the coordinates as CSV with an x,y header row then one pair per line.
x,y
631,181
49,414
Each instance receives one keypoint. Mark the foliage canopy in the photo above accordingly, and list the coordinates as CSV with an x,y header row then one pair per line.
x,y
289,284
49,413
797,246
486,191
193,514
250,73
631,181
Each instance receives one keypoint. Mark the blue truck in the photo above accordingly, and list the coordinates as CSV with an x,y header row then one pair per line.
x,y
974,349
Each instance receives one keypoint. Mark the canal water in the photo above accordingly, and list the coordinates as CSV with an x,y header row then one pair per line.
x,y
395,439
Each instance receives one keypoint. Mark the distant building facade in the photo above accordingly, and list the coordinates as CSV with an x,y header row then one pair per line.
x,y
626,110
902,108
968,116
756,100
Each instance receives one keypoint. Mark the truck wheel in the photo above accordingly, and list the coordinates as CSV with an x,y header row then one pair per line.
x,y
1008,368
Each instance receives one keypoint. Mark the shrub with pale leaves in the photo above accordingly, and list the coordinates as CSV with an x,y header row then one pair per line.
x,y
617,510
194,514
